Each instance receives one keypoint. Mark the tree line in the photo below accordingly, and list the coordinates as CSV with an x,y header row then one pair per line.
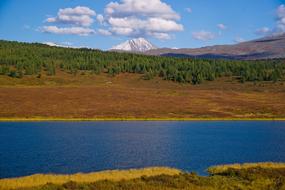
x,y
19,59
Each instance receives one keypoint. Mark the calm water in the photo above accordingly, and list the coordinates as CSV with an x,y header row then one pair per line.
x,y
54,147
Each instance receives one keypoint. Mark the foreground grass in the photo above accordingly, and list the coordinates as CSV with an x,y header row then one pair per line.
x,y
262,176
226,168
115,175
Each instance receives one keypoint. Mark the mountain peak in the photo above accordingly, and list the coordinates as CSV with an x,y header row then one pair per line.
x,y
135,45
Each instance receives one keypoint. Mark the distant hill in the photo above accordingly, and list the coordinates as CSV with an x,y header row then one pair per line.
x,y
264,48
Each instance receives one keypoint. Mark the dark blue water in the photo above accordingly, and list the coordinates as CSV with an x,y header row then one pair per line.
x,y
54,147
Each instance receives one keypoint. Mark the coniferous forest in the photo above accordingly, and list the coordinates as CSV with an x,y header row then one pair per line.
x,y
19,59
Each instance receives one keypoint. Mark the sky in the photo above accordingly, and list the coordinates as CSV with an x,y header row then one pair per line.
x,y
103,24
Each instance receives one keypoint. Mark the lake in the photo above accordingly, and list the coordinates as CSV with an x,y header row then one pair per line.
x,y
71,147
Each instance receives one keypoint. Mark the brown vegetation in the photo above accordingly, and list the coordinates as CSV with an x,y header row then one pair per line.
x,y
129,96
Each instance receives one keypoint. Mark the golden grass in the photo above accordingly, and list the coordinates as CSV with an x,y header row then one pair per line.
x,y
114,175
265,165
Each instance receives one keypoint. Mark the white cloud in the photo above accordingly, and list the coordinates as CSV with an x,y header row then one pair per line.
x,y
281,11
79,10
100,18
280,28
155,27
104,32
162,25
189,10
122,31
151,24
221,26
280,24
83,20
75,16
263,31
131,18
148,8
203,35
125,22
68,30
136,18
239,40
160,36
77,21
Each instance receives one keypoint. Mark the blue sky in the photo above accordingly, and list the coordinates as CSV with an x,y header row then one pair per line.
x,y
166,23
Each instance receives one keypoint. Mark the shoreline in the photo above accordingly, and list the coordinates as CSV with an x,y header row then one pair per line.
x,y
42,119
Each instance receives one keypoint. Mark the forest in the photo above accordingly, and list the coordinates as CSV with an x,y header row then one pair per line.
x,y
20,59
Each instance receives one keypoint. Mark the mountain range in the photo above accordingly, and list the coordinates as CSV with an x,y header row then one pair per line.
x,y
263,48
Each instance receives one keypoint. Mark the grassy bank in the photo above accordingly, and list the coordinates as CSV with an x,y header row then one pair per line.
x,y
261,176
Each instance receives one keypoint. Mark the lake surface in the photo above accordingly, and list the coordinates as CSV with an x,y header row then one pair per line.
x,y
59,147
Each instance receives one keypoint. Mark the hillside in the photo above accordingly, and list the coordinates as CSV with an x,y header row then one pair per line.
x,y
264,48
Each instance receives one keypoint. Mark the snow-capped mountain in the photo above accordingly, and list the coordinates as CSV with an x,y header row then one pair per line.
x,y
52,44
135,45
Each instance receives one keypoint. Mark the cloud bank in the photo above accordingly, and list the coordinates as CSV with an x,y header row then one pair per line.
x,y
129,18
263,31
203,35
280,28
222,26
81,31
77,16
76,21
280,24
136,18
